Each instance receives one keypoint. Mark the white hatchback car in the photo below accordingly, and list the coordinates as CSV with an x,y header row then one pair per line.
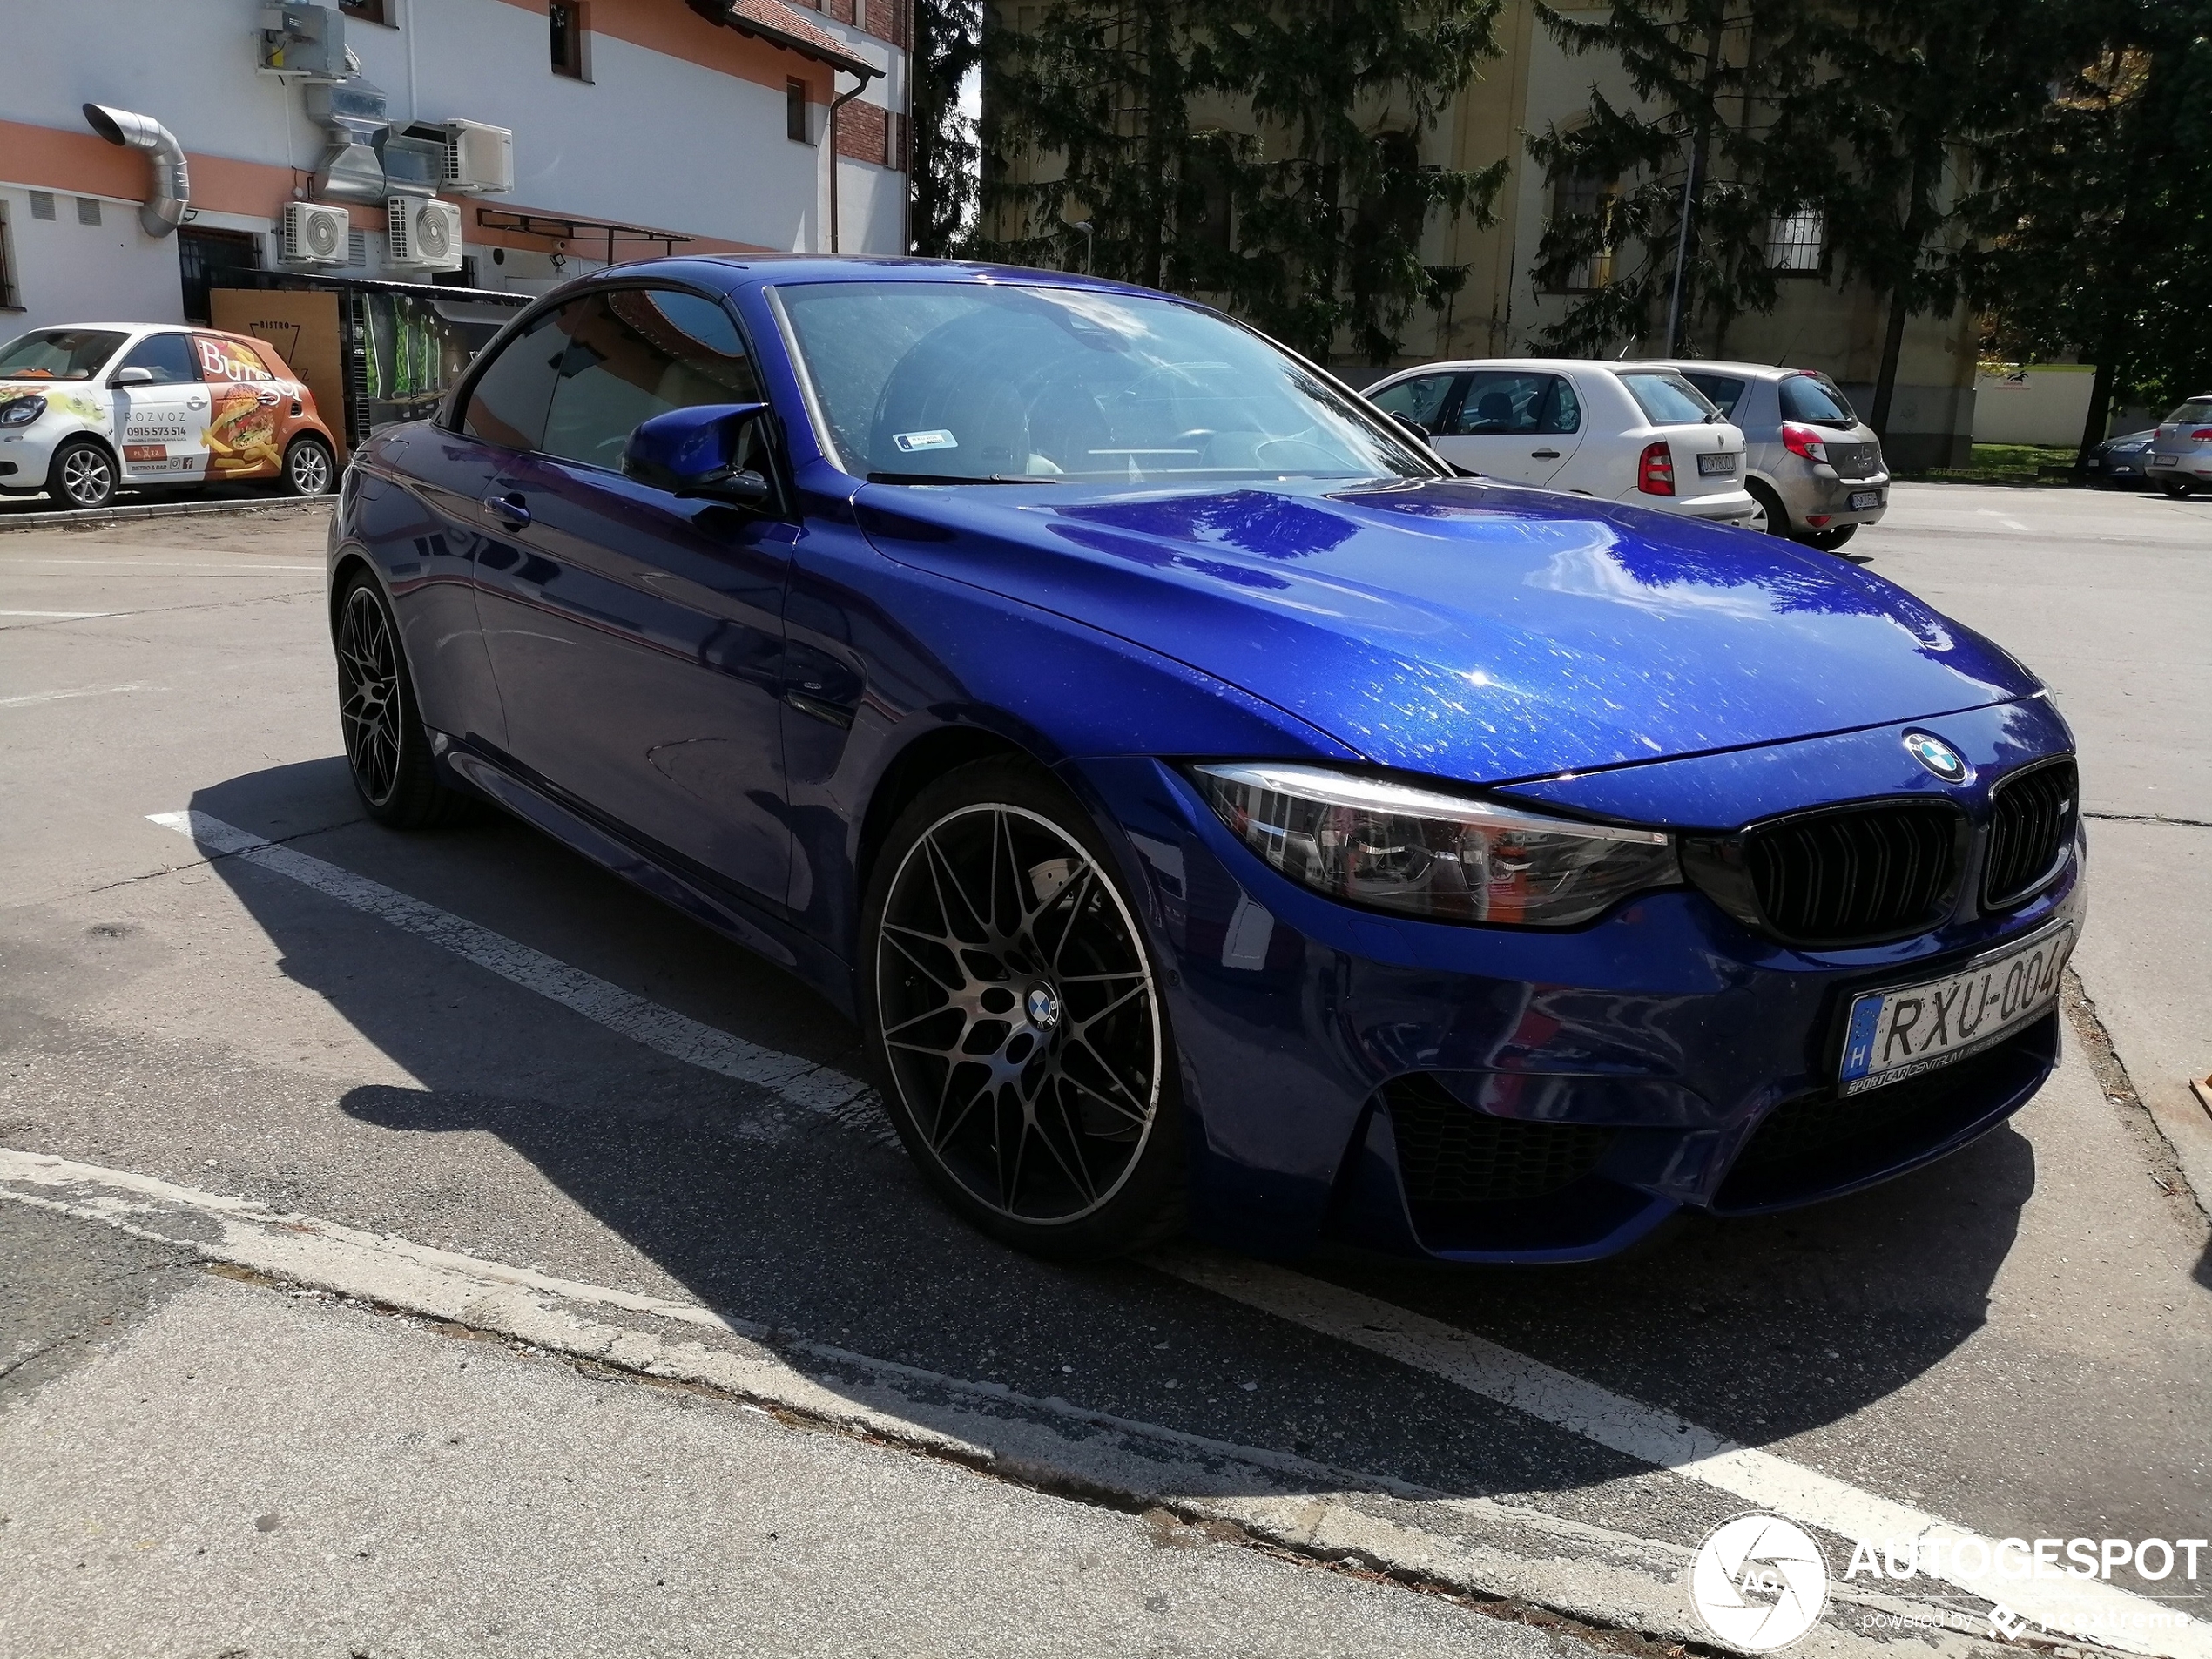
x,y
1627,432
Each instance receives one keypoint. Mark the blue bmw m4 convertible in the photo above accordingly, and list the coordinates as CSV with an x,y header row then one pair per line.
x,y
1213,810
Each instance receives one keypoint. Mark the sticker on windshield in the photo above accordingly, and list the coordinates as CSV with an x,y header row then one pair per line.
x,y
913,442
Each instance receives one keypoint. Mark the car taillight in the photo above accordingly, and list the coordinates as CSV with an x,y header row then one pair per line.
x,y
1803,440
2201,434
1656,471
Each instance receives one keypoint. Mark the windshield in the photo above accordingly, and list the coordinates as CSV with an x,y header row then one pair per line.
x,y
984,383
1814,398
1667,399
58,354
2197,409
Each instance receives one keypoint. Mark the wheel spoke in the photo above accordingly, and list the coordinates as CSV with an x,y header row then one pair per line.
x,y
891,937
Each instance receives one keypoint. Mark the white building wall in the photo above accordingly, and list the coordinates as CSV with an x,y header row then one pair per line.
x,y
67,271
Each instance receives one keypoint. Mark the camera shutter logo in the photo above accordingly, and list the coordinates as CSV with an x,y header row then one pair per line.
x,y
1759,1582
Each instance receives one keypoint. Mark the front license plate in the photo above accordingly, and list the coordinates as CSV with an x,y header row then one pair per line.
x,y
1902,1031
1863,501
1717,466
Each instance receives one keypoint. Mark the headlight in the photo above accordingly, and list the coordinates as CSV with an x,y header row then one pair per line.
x,y
1445,858
22,411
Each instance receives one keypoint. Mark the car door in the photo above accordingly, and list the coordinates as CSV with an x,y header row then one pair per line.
x,y
636,637
160,420
1521,426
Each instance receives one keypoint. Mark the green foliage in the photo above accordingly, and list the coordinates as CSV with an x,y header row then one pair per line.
x,y
1268,158
948,48
2094,222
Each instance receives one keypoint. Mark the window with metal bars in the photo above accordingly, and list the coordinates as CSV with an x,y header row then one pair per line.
x,y
1584,196
1796,240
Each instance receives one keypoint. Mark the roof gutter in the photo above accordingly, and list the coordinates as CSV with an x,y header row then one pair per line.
x,y
736,15
164,211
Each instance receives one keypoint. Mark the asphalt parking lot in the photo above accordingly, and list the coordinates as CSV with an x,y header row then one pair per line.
x,y
472,1042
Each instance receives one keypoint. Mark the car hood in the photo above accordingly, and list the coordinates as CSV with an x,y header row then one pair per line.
x,y
1465,629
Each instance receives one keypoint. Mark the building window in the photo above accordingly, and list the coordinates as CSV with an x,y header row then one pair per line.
x,y
10,300
88,210
795,124
569,23
368,10
1583,204
209,260
1794,239
42,204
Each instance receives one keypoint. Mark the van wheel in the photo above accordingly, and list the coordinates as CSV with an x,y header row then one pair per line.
x,y
81,475
1013,1004
309,468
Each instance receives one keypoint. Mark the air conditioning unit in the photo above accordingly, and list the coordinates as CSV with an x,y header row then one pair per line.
x,y
480,159
315,233
425,233
306,41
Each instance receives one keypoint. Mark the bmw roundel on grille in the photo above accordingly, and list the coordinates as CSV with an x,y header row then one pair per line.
x,y
1937,756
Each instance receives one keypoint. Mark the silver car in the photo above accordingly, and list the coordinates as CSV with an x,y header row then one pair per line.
x,y
1813,465
2181,450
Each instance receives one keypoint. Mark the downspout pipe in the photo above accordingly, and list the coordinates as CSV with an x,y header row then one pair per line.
x,y
164,211
837,103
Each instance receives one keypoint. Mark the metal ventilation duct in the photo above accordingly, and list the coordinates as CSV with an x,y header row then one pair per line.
x,y
165,210
352,170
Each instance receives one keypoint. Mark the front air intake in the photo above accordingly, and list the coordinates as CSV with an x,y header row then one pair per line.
x,y
1855,875
2031,829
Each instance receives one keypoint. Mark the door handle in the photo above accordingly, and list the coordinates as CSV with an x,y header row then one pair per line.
x,y
1543,454
508,511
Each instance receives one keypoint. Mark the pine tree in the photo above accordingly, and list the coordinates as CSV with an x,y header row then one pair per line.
x,y
1679,190
947,49
2096,223
1268,158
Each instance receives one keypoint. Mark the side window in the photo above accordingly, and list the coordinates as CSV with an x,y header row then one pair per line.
x,y
1724,390
1501,402
1561,411
506,405
1421,399
168,358
636,352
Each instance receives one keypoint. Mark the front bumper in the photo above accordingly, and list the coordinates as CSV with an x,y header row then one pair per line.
x,y
29,450
1660,1059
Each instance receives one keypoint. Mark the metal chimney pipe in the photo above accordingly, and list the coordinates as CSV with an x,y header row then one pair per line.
x,y
165,210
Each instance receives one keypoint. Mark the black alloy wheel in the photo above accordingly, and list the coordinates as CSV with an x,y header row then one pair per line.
x,y
309,468
388,750
1012,1003
81,475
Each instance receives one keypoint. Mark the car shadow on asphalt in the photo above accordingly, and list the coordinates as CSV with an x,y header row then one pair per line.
x,y
1758,1329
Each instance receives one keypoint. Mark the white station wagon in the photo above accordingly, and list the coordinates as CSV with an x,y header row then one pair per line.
x,y
1627,432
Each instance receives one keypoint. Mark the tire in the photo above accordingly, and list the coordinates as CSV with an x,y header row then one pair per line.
x,y
1013,1004
80,476
2178,489
1772,519
1829,541
388,750
309,468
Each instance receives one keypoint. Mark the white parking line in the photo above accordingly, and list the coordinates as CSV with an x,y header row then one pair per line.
x,y
801,1083
56,697
2084,1607
153,564
2088,1608
58,616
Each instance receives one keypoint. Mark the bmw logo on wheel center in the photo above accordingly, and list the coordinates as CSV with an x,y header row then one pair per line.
x,y
1937,756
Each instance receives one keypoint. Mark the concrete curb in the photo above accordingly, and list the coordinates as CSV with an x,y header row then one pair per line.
x,y
1528,1563
43,521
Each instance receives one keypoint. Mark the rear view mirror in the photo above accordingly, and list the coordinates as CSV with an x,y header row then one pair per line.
x,y
133,376
702,451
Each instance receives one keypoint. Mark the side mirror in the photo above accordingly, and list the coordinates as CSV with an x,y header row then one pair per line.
x,y
697,452
133,377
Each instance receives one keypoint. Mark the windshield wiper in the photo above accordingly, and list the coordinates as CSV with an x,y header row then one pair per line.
x,y
955,478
